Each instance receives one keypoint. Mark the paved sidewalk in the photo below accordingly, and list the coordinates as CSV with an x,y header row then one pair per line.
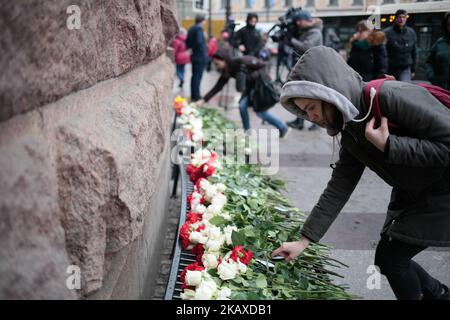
x,y
304,164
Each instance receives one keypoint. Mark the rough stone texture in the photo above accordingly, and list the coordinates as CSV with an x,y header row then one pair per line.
x,y
42,60
79,179
85,119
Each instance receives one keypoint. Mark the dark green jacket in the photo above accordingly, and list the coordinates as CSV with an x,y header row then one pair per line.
x,y
416,162
438,63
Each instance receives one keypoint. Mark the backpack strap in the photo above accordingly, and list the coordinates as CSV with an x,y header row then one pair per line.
x,y
376,110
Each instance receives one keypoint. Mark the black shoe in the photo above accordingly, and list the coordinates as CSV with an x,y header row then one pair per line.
x,y
295,124
445,294
181,84
284,132
313,127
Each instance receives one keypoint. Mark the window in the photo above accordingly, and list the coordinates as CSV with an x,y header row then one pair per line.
x,y
357,2
199,4
287,3
269,3
310,3
388,1
333,3
249,3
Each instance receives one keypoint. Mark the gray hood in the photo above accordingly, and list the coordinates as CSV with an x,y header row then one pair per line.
x,y
321,73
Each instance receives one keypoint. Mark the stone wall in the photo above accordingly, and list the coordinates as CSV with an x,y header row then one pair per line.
x,y
85,120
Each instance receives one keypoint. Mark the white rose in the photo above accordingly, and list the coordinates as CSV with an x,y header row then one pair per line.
x,y
221,187
206,290
224,294
219,199
213,209
214,233
193,278
200,209
208,216
204,184
210,261
188,294
197,237
228,231
206,153
213,245
242,267
227,270
195,162
196,195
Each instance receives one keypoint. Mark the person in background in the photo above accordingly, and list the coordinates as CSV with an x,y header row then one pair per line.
x,y
438,62
401,48
247,39
307,35
196,42
182,57
332,40
368,54
229,67
212,48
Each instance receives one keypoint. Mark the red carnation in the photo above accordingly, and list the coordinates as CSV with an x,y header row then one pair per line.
x,y
184,235
198,250
193,217
239,253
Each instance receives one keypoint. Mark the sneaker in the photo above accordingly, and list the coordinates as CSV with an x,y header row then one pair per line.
x,y
445,293
313,127
285,132
295,124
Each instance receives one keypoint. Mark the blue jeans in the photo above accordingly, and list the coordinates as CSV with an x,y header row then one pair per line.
x,y
197,73
180,72
402,75
266,116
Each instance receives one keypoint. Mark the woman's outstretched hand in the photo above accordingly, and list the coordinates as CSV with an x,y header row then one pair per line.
x,y
291,250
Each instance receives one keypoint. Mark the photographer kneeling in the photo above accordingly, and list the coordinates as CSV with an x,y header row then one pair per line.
x,y
229,68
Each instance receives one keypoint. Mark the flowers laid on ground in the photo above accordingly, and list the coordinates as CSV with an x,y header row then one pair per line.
x,y
237,218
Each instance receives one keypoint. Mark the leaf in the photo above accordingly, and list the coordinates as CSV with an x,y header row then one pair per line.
x,y
261,281
238,238
218,220
249,232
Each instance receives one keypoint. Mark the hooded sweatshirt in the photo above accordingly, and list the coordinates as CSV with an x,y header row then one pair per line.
x,y
415,162
309,37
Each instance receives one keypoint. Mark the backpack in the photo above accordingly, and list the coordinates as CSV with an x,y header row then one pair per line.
x,y
439,93
264,94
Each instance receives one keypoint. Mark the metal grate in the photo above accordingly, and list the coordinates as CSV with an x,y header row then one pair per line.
x,y
181,258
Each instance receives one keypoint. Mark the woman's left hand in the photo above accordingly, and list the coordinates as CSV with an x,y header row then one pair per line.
x,y
378,136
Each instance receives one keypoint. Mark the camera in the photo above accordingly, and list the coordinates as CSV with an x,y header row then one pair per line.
x,y
286,26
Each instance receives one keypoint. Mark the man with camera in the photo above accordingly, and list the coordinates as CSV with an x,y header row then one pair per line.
x,y
306,34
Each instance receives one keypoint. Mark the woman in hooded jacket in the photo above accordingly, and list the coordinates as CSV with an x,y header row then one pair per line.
x,y
414,159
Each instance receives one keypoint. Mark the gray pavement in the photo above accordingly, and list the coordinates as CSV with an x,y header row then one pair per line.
x,y
304,164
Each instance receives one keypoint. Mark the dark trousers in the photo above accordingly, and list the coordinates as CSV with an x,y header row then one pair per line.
x,y
196,79
408,280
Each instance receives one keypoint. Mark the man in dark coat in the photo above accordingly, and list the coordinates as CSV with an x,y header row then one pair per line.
x,y
308,34
401,48
438,61
196,42
414,160
247,39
